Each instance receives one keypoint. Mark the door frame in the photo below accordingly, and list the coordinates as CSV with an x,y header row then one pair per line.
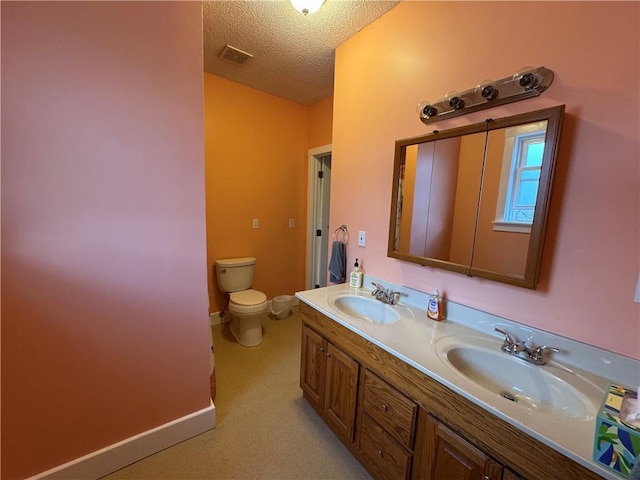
x,y
314,155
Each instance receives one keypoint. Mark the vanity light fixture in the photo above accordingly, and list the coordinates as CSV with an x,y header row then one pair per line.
x,y
527,82
306,7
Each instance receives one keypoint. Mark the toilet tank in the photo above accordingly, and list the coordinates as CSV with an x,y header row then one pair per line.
x,y
235,274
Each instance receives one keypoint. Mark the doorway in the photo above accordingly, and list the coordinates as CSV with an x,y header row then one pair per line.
x,y
318,203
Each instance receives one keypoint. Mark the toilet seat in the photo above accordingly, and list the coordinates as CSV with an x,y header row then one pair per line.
x,y
247,302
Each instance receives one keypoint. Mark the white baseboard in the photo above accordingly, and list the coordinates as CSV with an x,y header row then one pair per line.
x,y
216,319
114,457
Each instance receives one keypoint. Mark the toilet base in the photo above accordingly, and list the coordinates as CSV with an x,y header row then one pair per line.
x,y
247,330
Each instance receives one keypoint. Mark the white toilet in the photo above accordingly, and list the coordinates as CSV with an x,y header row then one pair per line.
x,y
247,306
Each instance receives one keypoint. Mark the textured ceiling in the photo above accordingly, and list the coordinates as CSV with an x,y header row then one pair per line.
x,y
293,54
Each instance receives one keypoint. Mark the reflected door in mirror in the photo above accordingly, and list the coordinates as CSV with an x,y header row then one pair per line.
x,y
439,192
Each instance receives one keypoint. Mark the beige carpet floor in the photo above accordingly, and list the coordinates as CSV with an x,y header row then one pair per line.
x,y
265,429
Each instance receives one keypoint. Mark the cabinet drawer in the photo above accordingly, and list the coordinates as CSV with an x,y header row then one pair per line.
x,y
385,457
390,408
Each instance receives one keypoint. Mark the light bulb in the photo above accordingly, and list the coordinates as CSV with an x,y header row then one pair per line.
x,y
487,89
426,110
527,78
454,100
307,6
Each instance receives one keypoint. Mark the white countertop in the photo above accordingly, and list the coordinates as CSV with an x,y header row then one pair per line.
x,y
413,340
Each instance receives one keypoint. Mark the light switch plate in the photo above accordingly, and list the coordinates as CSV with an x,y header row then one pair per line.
x,y
362,238
256,223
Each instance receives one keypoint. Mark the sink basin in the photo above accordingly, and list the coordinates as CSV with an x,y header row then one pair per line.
x,y
548,389
367,309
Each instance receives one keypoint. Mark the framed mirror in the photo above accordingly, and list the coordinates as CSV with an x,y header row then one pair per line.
x,y
475,199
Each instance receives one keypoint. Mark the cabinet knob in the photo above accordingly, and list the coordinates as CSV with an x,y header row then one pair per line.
x,y
485,477
321,349
384,409
380,454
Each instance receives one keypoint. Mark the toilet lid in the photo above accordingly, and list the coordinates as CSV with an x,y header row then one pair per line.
x,y
248,297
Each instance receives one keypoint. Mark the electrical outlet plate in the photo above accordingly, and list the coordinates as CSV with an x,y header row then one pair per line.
x,y
362,238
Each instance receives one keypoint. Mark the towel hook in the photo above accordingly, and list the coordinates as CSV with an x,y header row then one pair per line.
x,y
345,233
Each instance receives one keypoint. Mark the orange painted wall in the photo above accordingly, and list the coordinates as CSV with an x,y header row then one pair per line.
x,y
256,167
104,301
591,259
320,123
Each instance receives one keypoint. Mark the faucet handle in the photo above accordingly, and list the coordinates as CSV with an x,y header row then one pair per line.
x,y
379,288
394,297
510,344
507,335
537,354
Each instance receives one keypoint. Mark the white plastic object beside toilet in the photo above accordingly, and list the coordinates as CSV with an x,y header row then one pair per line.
x,y
247,306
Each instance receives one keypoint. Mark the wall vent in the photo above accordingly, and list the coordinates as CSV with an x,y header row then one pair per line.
x,y
234,55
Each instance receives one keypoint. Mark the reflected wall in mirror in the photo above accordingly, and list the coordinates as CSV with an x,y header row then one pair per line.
x,y
475,199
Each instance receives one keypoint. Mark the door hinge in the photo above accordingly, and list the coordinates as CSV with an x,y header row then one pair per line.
x,y
318,233
320,174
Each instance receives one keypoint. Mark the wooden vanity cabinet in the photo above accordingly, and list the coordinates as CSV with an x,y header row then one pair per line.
x,y
449,456
390,408
509,475
386,428
380,453
407,425
313,367
329,380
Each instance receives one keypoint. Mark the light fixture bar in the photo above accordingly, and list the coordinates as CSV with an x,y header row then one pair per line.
x,y
527,83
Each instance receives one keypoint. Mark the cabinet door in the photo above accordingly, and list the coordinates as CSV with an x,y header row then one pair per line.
x,y
313,367
509,475
450,457
340,392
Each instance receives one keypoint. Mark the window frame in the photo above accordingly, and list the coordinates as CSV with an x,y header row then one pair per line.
x,y
512,159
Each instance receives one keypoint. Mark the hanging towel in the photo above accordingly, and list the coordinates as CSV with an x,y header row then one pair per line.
x,y
635,471
338,263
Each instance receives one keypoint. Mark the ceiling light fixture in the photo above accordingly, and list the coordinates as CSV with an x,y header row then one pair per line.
x,y
307,6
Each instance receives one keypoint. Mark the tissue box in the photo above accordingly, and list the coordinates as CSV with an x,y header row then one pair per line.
x,y
617,443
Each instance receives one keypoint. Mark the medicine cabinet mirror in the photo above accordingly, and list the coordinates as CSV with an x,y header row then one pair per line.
x,y
475,199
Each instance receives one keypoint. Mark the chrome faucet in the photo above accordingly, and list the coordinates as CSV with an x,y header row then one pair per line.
x,y
386,295
510,344
515,347
537,354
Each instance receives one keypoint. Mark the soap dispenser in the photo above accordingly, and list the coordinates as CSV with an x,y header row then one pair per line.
x,y
355,279
434,308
